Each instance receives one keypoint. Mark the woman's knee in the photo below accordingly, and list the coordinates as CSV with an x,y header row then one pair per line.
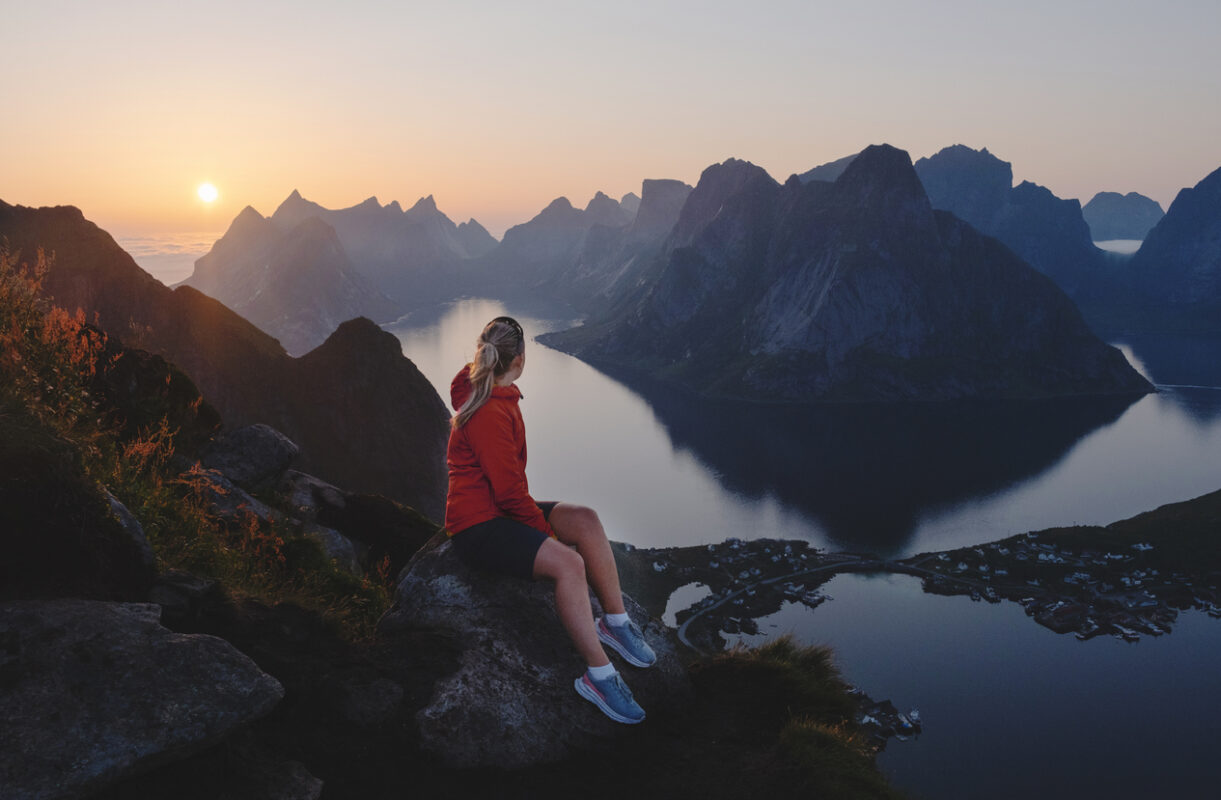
x,y
558,562
576,524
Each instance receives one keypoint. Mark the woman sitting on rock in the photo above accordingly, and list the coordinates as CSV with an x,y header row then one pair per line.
x,y
497,526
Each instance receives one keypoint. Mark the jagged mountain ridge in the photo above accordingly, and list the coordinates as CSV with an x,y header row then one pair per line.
x,y
409,255
1048,233
363,414
295,283
853,290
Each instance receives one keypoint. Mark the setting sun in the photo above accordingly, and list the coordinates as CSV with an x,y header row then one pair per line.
x,y
207,192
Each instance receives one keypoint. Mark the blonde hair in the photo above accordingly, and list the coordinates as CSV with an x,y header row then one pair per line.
x,y
501,341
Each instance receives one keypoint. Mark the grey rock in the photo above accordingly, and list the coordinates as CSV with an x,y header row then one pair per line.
x,y
250,456
233,505
337,547
94,692
132,527
511,703
307,496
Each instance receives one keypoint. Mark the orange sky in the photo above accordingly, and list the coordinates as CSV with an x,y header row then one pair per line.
x,y
123,109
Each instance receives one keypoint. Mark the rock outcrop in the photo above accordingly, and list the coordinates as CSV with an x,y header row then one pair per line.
x,y
94,692
1112,215
251,456
851,291
511,701
359,373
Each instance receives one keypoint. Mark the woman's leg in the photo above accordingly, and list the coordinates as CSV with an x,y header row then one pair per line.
x,y
580,526
567,568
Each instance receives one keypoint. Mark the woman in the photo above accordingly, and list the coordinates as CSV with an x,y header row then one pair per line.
x,y
497,526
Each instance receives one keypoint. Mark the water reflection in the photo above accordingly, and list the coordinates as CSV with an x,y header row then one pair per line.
x,y
868,473
1190,366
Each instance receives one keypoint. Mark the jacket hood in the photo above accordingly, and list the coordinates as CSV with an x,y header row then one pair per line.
x,y
460,387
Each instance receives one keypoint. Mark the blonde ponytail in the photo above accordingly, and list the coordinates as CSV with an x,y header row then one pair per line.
x,y
500,342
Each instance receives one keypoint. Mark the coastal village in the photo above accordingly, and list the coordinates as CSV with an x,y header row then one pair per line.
x,y
1071,581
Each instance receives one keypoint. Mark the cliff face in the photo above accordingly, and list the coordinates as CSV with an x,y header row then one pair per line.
x,y
1179,264
360,410
1048,233
1112,215
295,284
612,261
856,290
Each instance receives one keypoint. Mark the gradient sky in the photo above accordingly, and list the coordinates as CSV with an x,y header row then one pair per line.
x,y
124,108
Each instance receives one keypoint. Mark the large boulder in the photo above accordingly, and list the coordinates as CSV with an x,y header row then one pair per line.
x,y
94,692
251,456
511,701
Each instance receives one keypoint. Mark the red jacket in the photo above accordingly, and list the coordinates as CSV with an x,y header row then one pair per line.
x,y
487,462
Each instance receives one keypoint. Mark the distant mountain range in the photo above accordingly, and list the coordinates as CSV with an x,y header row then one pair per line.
x,y
847,291
362,413
296,283
1112,215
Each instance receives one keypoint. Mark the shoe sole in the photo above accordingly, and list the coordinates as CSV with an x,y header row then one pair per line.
x,y
592,696
612,642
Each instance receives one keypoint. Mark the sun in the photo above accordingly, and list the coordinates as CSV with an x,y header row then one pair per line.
x,y
207,192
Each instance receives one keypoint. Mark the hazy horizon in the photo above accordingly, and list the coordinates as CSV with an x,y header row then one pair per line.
x,y
125,109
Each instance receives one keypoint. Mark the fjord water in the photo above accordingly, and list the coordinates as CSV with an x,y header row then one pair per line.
x,y
1011,709
664,468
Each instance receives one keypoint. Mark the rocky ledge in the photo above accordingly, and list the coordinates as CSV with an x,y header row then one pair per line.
x,y
93,690
511,701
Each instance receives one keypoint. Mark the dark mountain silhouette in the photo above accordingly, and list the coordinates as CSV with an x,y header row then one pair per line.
x,y
362,413
1112,215
828,172
1048,233
856,290
295,284
630,203
1176,274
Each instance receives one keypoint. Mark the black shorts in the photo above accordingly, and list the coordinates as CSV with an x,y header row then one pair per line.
x,y
502,545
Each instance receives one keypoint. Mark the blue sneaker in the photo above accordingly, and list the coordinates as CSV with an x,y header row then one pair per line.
x,y
627,641
612,697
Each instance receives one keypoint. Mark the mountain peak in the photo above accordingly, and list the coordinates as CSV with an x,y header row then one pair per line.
x,y
717,184
394,206
882,180
424,205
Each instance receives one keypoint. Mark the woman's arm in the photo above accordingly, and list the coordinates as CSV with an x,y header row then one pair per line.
x,y
490,433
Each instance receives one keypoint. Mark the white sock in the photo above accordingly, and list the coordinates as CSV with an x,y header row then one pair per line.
x,y
618,620
603,672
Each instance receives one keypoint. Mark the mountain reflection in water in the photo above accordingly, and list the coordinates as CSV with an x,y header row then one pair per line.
x,y
867,472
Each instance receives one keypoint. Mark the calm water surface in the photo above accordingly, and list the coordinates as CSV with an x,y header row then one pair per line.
x,y
1011,709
